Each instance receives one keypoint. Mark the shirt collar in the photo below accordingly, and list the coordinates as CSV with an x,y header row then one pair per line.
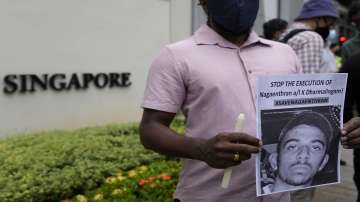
x,y
207,36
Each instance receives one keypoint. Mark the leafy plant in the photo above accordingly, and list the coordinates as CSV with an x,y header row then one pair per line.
x,y
155,182
53,165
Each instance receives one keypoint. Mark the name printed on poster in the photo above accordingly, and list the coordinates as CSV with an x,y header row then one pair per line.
x,y
296,88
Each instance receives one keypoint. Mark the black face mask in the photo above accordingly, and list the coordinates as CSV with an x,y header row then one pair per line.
x,y
236,17
323,32
230,33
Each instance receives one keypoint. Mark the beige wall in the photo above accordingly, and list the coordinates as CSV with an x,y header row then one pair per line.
x,y
181,19
76,36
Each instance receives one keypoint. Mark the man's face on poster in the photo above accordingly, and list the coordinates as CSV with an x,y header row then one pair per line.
x,y
302,154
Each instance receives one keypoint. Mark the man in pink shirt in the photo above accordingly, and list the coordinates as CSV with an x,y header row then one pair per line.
x,y
211,78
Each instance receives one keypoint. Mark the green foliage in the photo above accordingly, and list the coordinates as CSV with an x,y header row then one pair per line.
x,y
52,165
155,182
178,124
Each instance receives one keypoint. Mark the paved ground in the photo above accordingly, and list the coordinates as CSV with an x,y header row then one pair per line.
x,y
343,192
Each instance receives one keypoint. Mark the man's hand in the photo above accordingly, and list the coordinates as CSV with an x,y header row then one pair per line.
x,y
219,151
350,134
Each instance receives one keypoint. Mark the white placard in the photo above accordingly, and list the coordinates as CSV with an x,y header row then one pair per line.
x,y
298,120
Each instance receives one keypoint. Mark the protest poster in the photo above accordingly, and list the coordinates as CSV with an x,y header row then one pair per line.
x,y
298,120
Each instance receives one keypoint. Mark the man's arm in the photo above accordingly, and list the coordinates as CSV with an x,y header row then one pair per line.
x,y
156,135
217,152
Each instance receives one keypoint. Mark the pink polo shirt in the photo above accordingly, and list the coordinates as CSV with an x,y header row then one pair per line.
x,y
212,81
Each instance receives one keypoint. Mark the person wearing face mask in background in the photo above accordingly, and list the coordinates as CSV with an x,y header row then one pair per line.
x,y
308,33
211,78
352,47
307,37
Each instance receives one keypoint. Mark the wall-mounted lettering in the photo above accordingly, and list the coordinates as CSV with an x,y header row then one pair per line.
x,y
30,83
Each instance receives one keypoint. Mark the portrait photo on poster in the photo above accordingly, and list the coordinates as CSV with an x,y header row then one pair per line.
x,y
300,148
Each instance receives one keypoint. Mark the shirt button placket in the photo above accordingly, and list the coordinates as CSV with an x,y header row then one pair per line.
x,y
248,75
243,62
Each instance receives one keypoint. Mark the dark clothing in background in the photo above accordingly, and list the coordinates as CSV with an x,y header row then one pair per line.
x,y
350,48
352,99
352,104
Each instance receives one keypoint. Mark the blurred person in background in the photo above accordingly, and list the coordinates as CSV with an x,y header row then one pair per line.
x,y
307,35
274,28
